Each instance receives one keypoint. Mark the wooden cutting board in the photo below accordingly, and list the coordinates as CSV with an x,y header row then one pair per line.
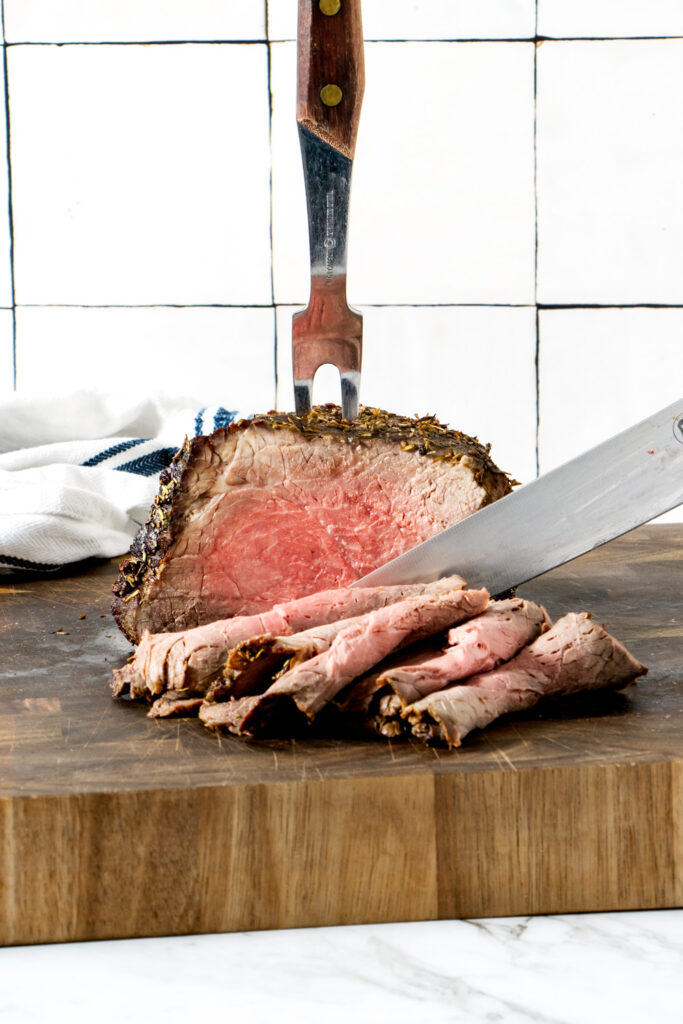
x,y
114,824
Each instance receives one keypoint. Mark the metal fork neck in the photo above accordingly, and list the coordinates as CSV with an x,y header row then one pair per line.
x,y
327,174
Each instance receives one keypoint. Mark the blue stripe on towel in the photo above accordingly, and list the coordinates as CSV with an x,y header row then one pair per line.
x,y
148,465
114,450
223,417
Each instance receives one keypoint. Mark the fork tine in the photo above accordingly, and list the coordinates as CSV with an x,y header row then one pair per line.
x,y
303,396
350,383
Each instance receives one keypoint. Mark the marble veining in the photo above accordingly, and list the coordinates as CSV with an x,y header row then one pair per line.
x,y
572,969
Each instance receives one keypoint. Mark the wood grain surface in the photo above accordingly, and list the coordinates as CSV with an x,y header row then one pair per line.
x,y
113,824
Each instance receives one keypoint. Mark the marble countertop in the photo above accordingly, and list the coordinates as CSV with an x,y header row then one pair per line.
x,y
573,969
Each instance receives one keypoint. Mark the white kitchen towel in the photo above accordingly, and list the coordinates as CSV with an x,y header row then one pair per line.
x,y
79,473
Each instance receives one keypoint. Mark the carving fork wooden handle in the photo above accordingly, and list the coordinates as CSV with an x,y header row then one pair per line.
x,y
330,71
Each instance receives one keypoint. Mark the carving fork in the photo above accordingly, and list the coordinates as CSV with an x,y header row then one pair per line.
x,y
330,83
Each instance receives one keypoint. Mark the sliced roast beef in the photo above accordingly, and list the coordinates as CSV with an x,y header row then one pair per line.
x,y
281,506
176,704
575,654
476,646
310,686
356,699
253,665
229,714
195,657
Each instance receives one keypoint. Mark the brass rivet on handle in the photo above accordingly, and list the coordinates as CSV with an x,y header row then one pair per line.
x,y
331,95
330,7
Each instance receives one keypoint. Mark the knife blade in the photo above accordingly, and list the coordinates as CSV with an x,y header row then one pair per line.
x,y
607,491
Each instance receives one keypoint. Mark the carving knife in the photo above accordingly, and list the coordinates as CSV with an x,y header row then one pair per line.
x,y
603,493
330,83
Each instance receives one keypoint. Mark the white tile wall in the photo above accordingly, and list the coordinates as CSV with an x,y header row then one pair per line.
x,y
141,180
140,174
443,191
223,356
457,362
6,351
607,18
610,188
48,21
607,369
602,370
424,19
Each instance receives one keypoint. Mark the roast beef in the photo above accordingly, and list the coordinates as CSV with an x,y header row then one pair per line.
x,y
281,506
252,665
575,654
475,646
195,657
176,704
308,687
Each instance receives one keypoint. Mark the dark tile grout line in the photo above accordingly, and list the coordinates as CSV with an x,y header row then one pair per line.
x,y
269,42
270,195
146,305
541,306
537,375
141,42
537,352
600,39
10,212
609,305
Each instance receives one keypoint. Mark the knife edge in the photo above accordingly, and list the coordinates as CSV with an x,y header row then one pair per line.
x,y
603,493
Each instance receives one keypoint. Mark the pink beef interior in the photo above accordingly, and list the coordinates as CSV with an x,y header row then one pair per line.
x,y
277,522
